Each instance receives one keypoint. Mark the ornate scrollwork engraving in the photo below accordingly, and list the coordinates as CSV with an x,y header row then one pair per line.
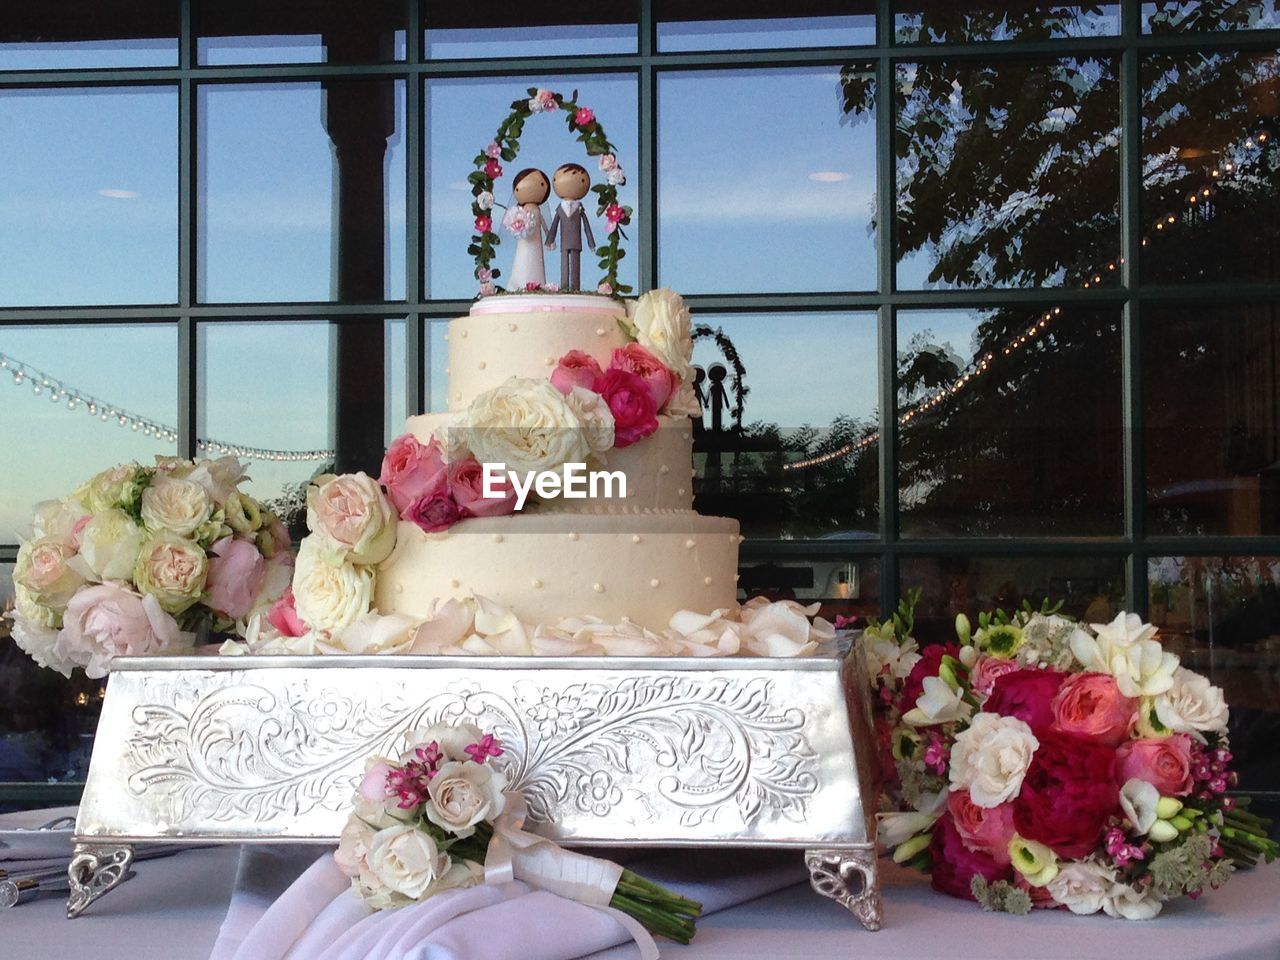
x,y
692,748
95,870
848,876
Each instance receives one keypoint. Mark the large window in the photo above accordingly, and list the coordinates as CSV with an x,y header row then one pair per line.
x,y
986,296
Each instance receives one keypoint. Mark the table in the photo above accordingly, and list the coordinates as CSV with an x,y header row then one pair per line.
x,y
172,910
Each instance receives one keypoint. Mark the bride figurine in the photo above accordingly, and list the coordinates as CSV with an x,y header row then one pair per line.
x,y
523,219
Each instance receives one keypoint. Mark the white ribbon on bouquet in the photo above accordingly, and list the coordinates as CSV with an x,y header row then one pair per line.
x,y
516,854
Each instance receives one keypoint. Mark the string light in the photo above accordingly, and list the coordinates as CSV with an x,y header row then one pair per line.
x,y
58,392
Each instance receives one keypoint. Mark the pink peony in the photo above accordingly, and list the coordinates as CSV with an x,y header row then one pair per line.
x,y
434,512
108,621
1026,694
411,470
1164,763
584,116
634,414
954,865
466,485
283,615
636,359
78,528
483,223
987,670
1091,705
982,829
236,570
492,169
576,369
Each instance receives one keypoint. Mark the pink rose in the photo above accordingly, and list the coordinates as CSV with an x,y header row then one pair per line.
x,y
483,223
987,671
78,528
236,570
982,829
109,621
493,151
1091,705
411,470
636,359
283,615
353,515
1164,763
608,161
374,785
605,288
576,369
44,569
584,116
435,512
615,213
532,285
466,485
492,169
634,414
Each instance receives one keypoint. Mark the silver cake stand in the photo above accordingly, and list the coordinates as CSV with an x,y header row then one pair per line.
x,y
660,752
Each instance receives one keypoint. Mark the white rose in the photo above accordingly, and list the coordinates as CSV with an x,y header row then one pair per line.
x,y
1082,886
406,860
177,505
526,424
1124,901
1192,705
57,519
991,757
463,794
375,633
484,200
110,543
353,847
616,177
664,327
329,594
353,515
596,419
173,570
684,402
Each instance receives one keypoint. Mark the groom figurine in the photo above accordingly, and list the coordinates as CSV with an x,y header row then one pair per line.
x,y
571,184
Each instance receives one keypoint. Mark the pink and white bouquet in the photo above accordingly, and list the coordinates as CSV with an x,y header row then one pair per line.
x,y
442,816
138,559
1038,762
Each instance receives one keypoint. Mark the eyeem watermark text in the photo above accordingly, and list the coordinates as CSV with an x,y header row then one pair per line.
x,y
573,481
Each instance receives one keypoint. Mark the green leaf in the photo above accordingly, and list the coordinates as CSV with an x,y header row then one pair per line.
x,y
508,154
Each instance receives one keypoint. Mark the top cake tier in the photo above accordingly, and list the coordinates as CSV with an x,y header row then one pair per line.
x,y
524,336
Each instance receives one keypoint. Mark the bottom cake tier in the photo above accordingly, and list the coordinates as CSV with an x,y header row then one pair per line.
x,y
546,568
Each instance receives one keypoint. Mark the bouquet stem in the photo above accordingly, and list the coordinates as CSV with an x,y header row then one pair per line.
x,y
661,911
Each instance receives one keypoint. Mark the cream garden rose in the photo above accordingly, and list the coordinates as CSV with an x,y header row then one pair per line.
x,y
664,327
178,505
110,487
990,758
526,424
1082,886
110,543
172,569
463,794
351,515
406,860
329,594
596,418
57,519
44,568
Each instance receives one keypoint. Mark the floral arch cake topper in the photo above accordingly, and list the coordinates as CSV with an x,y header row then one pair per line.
x,y
504,148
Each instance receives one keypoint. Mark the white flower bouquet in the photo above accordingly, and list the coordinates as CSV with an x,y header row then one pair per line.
x,y
442,817
139,558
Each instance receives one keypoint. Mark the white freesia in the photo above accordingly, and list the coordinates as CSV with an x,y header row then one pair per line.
x,y
375,633
526,424
1192,705
664,327
178,505
329,595
990,758
463,794
1139,664
484,200
883,654
1138,800
938,703
109,545
1082,886
1124,901
596,418
894,828
407,860
57,519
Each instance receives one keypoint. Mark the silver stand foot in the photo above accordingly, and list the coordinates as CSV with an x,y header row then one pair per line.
x,y
95,870
848,877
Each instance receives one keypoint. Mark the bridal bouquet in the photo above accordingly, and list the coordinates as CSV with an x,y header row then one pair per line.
x,y
139,558
1038,762
441,817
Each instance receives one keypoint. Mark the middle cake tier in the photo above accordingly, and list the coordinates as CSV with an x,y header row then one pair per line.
x,y
548,567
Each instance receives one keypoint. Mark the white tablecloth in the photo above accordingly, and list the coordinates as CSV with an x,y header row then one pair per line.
x,y
173,908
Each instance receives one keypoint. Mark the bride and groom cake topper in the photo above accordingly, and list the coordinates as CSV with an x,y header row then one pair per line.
x,y
530,189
